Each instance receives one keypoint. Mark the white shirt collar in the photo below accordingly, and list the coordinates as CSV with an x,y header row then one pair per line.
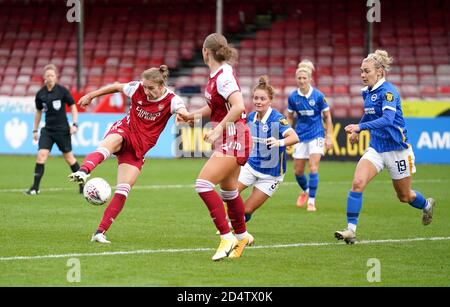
x,y
377,85
211,75
308,94
265,117
162,97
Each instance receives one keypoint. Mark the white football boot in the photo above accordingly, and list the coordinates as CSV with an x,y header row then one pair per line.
x,y
100,238
79,176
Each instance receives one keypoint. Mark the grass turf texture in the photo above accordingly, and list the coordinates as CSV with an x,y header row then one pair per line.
x,y
166,220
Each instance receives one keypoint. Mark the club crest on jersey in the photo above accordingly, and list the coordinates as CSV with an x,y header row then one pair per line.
x,y
56,104
161,107
389,97
139,102
374,97
311,102
265,128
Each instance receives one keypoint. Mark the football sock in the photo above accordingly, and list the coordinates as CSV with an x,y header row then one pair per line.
x,y
94,158
354,204
115,206
38,173
302,182
420,202
236,210
313,183
205,190
75,167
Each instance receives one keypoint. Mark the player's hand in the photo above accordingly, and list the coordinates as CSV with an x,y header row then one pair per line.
x,y
354,138
213,135
352,129
328,143
73,129
273,142
85,101
184,118
35,136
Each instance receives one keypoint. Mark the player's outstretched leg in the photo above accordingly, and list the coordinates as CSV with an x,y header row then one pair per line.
x,y
427,215
90,162
354,204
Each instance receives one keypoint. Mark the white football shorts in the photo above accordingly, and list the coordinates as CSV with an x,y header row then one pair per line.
x,y
265,183
400,163
304,150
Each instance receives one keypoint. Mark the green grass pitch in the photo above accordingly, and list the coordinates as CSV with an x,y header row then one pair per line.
x,y
168,238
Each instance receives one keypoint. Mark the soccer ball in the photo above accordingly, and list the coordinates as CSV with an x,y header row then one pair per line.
x,y
97,191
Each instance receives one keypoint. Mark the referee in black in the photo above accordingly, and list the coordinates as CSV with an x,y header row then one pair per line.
x,y
51,99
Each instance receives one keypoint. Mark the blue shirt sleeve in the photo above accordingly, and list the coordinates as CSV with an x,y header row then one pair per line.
x,y
291,106
323,103
386,120
283,126
389,101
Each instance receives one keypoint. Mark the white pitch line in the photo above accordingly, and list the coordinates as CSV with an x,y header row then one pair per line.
x,y
191,186
190,250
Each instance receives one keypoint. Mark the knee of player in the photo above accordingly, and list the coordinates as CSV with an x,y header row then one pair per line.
x,y
313,168
41,158
358,184
405,197
202,185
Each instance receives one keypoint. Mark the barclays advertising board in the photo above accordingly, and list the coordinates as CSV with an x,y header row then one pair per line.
x,y
17,138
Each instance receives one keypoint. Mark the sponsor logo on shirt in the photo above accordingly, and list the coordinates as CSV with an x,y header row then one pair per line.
x,y
369,110
147,115
306,112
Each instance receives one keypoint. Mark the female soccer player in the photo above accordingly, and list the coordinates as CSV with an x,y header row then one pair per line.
x,y
308,103
271,134
388,144
152,104
52,99
231,143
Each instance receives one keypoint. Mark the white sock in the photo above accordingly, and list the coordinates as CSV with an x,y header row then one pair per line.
x,y
427,207
241,236
311,201
352,227
227,236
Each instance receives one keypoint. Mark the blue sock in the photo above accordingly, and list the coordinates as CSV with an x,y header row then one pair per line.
x,y
420,202
302,182
313,183
248,216
354,204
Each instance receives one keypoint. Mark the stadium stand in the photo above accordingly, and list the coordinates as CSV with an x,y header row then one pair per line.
x,y
122,38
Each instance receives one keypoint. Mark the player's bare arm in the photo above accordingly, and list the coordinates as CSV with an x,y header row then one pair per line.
x,y
237,108
74,111
109,89
290,139
37,120
329,129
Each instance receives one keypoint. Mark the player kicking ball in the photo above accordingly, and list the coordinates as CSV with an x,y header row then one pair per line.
x,y
152,104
